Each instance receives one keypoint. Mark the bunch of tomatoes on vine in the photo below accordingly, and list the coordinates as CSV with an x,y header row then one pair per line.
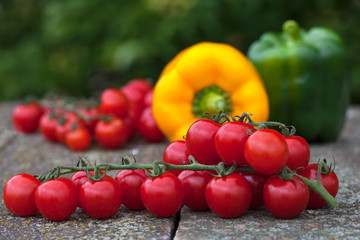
x,y
226,164
112,119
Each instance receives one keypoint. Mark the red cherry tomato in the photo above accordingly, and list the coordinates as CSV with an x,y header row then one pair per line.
x,y
135,96
299,152
175,153
130,182
79,178
148,128
194,184
285,198
78,139
26,117
200,141
230,141
266,151
91,117
48,123
100,199
56,199
19,194
132,120
111,134
329,181
139,84
163,196
65,124
229,196
113,101
257,182
148,98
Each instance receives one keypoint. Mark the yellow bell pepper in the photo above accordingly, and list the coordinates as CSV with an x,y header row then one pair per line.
x,y
206,78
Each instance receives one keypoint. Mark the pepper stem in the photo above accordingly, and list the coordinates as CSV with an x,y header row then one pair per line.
x,y
292,29
211,100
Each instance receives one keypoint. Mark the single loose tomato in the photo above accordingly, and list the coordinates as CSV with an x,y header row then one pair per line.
x,y
229,196
175,153
111,133
285,198
26,117
100,199
19,194
113,101
194,184
230,141
266,151
78,139
56,199
330,182
163,196
299,152
130,182
148,127
200,141
48,123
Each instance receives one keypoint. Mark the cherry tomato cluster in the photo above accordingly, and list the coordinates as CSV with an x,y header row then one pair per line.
x,y
117,117
266,151
227,195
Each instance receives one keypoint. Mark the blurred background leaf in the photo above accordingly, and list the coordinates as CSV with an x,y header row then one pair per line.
x,y
79,47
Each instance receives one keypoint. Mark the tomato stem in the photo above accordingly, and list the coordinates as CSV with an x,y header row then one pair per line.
x,y
157,168
317,186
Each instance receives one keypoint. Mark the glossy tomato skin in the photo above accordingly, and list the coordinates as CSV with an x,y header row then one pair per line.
x,y
113,101
19,194
257,182
130,182
329,181
56,199
100,199
111,134
175,153
285,198
148,127
230,141
200,141
299,152
266,151
163,196
78,139
48,123
194,184
229,196
26,117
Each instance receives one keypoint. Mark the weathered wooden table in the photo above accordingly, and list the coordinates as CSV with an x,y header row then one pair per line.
x,y
32,154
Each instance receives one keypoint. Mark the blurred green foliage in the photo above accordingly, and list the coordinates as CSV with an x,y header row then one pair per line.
x,y
78,47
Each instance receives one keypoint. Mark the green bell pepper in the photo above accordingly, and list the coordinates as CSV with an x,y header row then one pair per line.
x,y
305,76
